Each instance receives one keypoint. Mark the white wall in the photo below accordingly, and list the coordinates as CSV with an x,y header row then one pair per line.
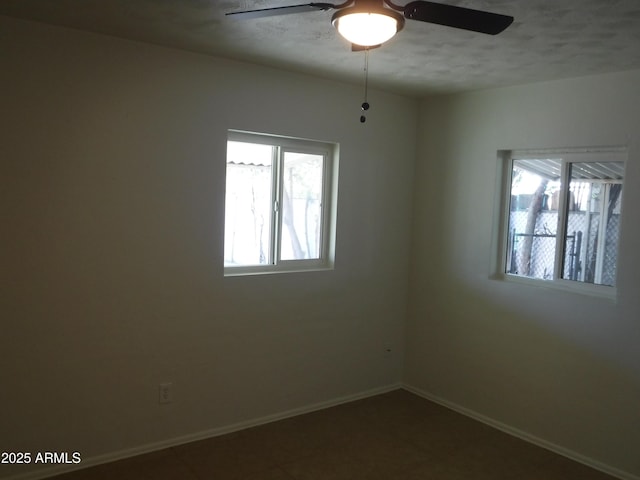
x,y
562,367
112,208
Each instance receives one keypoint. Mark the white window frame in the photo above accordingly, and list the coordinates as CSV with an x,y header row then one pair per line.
x,y
568,157
282,145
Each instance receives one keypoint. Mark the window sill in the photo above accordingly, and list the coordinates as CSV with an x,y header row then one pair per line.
x,y
273,269
598,291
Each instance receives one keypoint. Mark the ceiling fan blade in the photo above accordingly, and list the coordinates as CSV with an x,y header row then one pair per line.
x,y
457,17
272,12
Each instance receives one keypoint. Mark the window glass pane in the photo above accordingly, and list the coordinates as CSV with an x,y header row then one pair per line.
x,y
533,218
248,204
593,222
301,206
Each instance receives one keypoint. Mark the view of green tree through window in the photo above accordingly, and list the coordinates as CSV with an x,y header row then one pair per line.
x,y
278,204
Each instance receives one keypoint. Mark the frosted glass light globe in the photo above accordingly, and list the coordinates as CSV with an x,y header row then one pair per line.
x,y
366,29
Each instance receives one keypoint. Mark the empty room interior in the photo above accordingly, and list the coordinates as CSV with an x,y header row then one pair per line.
x,y
133,325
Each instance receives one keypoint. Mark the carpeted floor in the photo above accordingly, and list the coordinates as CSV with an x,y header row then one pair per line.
x,y
392,436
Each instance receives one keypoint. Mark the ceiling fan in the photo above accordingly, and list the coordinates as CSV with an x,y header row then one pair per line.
x,y
370,23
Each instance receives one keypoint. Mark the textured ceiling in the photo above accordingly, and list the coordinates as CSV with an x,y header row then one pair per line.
x,y
549,39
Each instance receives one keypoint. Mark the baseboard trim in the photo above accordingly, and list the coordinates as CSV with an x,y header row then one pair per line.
x,y
540,442
214,432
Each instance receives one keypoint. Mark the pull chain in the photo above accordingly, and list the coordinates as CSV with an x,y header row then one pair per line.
x,y
365,104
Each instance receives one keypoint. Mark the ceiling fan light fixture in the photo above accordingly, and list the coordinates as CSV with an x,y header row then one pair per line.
x,y
367,28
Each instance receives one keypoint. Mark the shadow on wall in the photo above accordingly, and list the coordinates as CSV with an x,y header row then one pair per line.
x,y
519,364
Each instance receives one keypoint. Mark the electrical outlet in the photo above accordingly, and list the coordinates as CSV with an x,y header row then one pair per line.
x,y
165,393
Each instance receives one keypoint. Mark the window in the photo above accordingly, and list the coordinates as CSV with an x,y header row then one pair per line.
x,y
280,204
562,217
